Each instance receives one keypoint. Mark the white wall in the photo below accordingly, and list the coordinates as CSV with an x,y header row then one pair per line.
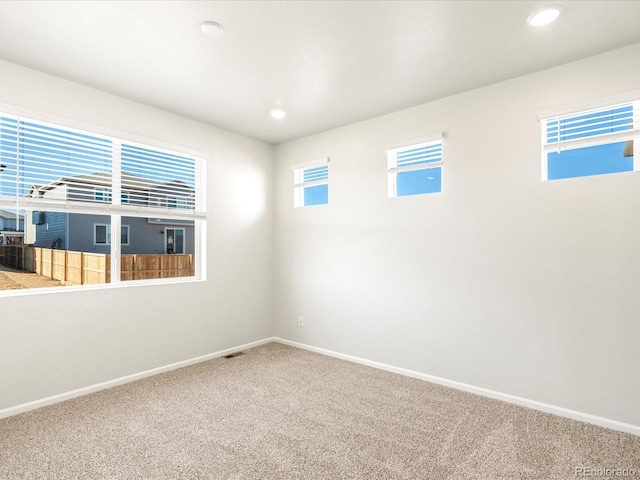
x,y
54,343
502,281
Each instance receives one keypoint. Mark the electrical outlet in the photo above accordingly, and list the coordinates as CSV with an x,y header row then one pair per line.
x,y
300,321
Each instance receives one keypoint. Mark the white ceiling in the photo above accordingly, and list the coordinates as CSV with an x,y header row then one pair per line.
x,y
327,63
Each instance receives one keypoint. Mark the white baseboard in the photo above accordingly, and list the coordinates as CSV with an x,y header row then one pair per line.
x,y
543,407
25,407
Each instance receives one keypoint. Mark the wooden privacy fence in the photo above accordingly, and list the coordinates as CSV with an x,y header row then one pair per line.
x,y
73,268
142,267
84,268
18,257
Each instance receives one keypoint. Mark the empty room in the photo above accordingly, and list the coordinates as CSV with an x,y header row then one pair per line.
x,y
319,240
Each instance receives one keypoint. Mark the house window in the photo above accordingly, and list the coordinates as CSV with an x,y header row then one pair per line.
x,y
84,186
311,183
181,203
102,195
102,234
174,240
415,169
591,142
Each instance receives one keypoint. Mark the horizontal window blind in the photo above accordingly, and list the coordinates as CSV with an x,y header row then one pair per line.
x,y
593,127
415,157
161,179
310,174
315,174
44,166
38,158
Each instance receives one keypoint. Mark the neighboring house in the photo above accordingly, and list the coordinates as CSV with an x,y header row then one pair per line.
x,y
92,232
11,228
10,222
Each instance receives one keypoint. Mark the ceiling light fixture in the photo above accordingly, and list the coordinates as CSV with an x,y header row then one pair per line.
x,y
278,114
212,29
544,16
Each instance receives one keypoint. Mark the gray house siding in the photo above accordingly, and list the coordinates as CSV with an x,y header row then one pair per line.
x,y
53,228
77,232
81,233
144,237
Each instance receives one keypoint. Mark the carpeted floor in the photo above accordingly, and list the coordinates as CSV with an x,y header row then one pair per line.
x,y
277,412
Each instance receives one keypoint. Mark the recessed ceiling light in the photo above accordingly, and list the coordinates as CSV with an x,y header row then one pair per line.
x,y
278,114
544,16
212,29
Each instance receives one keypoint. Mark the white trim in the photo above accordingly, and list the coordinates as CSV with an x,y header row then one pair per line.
x,y
80,126
43,402
417,141
22,292
543,407
128,210
505,397
596,104
313,183
413,168
605,139
311,163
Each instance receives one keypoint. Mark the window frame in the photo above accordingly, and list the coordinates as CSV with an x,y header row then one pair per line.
x,y
602,139
392,163
299,184
117,208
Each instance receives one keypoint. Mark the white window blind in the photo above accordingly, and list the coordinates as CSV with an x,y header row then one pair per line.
x,y
44,166
600,126
308,175
415,157
162,180
40,160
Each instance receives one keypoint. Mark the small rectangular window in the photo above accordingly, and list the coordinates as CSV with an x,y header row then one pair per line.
x,y
102,195
102,234
591,142
311,183
415,169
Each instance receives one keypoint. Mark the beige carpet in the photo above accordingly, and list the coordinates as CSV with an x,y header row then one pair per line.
x,y
278,412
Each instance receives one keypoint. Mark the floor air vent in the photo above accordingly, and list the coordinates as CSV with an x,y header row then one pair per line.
x,y
231,355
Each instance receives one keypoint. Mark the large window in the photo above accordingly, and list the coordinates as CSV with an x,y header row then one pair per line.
x,y
71,189
311,183
415,169
592,142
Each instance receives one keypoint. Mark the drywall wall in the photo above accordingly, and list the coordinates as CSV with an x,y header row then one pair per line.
x,y
502,281
54,343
